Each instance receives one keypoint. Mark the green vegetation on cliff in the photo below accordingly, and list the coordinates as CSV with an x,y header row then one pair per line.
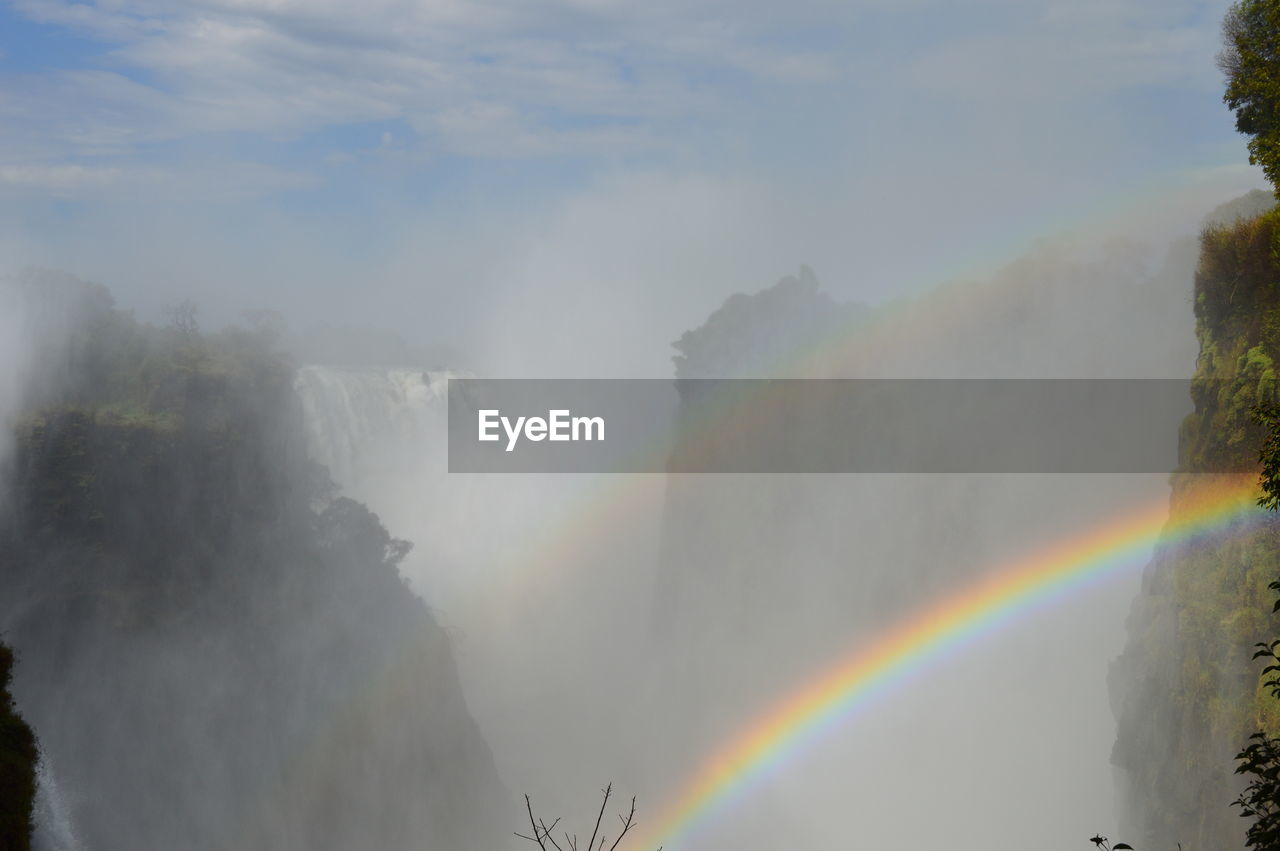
x,y
216,652
1186,694
1237,307
86,355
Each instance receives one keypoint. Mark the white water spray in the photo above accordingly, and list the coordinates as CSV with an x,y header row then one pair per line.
x,y
55,830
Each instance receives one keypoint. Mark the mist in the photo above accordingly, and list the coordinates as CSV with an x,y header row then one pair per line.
x,y
245,247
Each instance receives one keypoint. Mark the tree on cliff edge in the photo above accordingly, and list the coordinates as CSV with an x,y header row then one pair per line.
x,y
1250,58
18,755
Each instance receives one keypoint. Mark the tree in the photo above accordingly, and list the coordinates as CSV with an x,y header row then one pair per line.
x,y
184,317
542,832
1260,761
1250,58
1267,415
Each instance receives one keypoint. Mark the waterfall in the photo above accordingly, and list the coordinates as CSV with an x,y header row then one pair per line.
x,y
359,420
54,830
382,434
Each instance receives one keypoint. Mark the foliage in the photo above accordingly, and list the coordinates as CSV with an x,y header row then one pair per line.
x,y
1267,414
775,323
1185,694
1260,762
1250,58
91,356
1260,759
1238,262
1103,844
18,756
1237,306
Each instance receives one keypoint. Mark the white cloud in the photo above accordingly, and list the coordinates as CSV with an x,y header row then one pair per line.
x,y
1078,49
221,181
58,178
581,78
281,66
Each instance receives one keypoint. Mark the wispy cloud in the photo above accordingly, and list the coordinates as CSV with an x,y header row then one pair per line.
x,y
564,77
57,178
1073,50
580,78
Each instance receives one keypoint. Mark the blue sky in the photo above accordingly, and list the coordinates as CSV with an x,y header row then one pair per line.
x,y
428,165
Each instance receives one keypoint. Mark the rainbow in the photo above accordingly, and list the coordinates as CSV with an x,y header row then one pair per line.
x,y
851,348
853,683
872,671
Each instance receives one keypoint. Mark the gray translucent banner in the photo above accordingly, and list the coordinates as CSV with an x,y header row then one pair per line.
x,y
815,426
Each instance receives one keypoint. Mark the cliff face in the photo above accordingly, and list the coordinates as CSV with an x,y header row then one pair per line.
x,y
17,766
214,653
1185,691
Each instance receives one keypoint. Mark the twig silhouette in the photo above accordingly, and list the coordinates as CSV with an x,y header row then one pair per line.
x,y
542,831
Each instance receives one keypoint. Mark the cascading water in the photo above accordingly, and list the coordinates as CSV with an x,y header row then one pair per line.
x,y
54,828
491,559
357,419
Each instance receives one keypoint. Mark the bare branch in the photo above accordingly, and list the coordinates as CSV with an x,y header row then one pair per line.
x,y
626,824
608,790
546,831
598,841
528,805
